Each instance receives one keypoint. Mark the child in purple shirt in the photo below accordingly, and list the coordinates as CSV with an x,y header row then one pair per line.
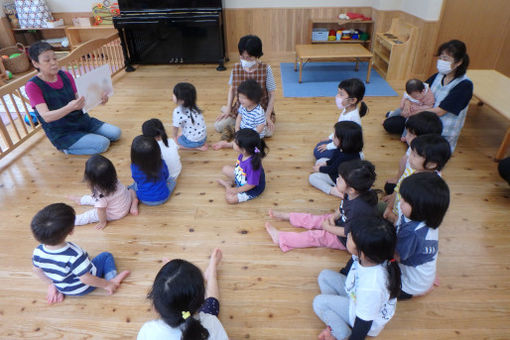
x,y
247,178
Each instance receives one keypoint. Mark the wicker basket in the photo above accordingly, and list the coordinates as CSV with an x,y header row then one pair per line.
x,y
18,64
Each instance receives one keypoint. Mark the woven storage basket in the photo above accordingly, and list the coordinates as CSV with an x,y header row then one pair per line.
x,y
18,64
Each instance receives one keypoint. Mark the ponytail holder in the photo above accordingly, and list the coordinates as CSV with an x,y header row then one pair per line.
x,y
185,315
257,150
392,260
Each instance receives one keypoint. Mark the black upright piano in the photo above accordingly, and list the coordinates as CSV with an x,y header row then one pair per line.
x,y
171,31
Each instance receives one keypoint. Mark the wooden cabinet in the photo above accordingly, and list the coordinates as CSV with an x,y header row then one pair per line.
x,y
394,50
366,26
78,35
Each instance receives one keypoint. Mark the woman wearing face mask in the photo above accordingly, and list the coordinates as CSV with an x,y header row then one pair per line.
x,y
250,67
452,92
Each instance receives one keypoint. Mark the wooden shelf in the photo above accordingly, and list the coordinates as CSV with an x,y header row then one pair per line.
x,y
366,26
352,41
394,50
40,28
82,28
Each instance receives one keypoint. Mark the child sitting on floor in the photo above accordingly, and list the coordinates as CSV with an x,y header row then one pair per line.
x,y
355,178
189,118
349,142
249,67
152,185
169,149
422,123
350,94
362,302
429,153
110,198
178,296
424,201
247,179
64,266
250,114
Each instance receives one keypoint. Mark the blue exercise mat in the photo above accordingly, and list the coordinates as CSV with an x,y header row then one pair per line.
x,y
322,79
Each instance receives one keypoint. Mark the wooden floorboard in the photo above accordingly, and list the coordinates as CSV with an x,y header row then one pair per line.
x,y
265,294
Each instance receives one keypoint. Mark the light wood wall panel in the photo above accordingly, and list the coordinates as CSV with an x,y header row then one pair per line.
x,y
503,63
279,28
482,25
282,28
6,37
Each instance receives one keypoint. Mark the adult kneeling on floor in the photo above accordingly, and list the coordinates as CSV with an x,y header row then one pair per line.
x,y
452,91
52,93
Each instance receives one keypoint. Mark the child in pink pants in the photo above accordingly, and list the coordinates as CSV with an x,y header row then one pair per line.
x,y
355,178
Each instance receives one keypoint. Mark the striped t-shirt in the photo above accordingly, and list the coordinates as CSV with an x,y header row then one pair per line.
x,y
64,267
252,119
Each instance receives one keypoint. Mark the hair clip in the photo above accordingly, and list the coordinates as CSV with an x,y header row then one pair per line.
x,y
392,260
185,315
257,150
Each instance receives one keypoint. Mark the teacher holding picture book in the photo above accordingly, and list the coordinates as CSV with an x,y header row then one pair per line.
x,y
59,109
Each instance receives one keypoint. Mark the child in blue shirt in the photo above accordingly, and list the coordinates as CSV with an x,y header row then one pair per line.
x,y
153,185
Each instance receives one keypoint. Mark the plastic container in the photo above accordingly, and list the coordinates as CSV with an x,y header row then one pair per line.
x,y
54,24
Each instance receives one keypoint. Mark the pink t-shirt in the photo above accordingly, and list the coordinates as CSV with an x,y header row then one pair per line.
x,y
117,204
35,94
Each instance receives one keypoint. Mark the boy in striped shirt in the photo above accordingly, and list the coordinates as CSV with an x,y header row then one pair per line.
x,y
65,266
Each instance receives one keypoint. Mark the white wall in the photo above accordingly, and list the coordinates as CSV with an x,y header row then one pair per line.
x,y
425,9
2,14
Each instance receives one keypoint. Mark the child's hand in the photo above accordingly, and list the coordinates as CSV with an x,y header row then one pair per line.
x,y
317,167
389,215
331,220
231,191
54,296
386,199
104,98
101,225
111,287
326,225
225,112
323,147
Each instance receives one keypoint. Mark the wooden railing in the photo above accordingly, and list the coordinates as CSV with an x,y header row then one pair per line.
x,y
17,125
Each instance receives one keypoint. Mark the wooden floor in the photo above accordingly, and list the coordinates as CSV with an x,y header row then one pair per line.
x,y
265,294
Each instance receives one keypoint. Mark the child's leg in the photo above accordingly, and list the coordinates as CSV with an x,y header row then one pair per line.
x,y
278,215
87,200
228,171
307,221
133,210
212,293
322,182
222,145
307,239
105,265
89,216
333,310
331,283
171,183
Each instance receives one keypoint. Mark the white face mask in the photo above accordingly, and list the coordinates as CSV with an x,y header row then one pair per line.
x,y
339,103
247,64
444,67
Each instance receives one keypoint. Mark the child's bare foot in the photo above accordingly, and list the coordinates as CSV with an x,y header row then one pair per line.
x,y
120,277
214,261
224,183
326,335
203,147
280,215
220,145
133,210
75,199
334,192
273,232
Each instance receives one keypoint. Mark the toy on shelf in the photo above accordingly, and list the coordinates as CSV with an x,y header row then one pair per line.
x,y
104,12
353,16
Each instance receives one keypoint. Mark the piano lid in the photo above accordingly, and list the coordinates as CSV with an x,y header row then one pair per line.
x,y
167,5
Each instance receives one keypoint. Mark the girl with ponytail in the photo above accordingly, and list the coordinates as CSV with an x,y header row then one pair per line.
x,y
169,149
363,301
247,179
354,183
178,296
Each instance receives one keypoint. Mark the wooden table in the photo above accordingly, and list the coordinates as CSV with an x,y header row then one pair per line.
x,y
493,89
326,52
